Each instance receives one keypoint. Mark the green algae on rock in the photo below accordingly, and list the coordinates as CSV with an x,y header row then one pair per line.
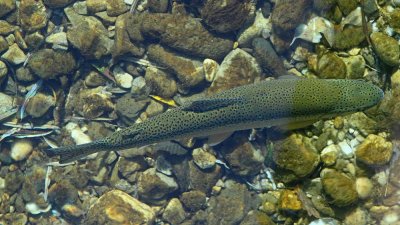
x,y
226,16
117,207
338,186
387,48
32,15
349,37
374,151
6,6
49,64
331,66
297,155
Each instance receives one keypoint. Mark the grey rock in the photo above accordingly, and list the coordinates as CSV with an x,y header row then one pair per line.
x,y
128,108
154,186
231,205
160,83
267,57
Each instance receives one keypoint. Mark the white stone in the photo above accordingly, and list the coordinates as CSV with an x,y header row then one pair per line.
x,y
346,149
390,218
77,134
364,187
34,209
138,84
329,154
20,149
122,78
58,39
210,68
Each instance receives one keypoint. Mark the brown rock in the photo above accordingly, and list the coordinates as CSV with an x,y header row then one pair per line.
x,y
374,151
32,15
117,207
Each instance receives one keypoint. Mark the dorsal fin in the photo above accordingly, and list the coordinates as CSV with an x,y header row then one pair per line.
x,y
204,105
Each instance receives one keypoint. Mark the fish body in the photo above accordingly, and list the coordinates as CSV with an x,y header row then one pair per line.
x,y
281,102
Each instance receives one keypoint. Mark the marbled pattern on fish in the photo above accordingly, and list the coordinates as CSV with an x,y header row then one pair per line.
x,y
268,103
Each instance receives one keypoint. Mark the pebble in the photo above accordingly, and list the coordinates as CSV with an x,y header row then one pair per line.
x,y
355,66
21,149
39,105
34,209
59,40
117,207
3,71
210,68
3,44
116,7
193,200
94,102
356,217
155,186
14,55
139,86
94,6
267,57
329,154
374,151
77,134
203,159
364,187
122,78
174,212
331,66
289,201
346,150
161,83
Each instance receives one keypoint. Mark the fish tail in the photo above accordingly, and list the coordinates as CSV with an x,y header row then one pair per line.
x,y
71,153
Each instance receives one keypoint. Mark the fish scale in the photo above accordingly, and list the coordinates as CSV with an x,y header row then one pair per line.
x,y
291,103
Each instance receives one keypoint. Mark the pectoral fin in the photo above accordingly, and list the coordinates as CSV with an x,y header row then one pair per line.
x,y
205,105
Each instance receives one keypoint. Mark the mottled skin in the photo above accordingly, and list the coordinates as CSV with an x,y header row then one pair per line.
x,y
283,102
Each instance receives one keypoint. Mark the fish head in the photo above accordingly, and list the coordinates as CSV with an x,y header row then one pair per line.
x,y
357,95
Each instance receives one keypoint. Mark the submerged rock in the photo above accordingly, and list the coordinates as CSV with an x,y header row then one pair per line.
x,y
21,149
374,151
185,34
161,83
349,37
193,200
231,205
331,66
297,155
39,105
32,15
57,3
226,16
154,186
340,187
189,72
289,201
387,48
6,6
88,35
49,64
237,69
174,212
117,207
14,55
267,57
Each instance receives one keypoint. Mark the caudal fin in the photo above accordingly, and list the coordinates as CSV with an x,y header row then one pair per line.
x,y
74,152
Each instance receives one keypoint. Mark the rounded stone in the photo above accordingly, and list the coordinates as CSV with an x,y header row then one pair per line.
x,y
387,48
364,187
374,151
203,159
21,149
331,66
338,186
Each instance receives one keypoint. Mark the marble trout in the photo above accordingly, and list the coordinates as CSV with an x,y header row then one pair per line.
x,y
283,102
